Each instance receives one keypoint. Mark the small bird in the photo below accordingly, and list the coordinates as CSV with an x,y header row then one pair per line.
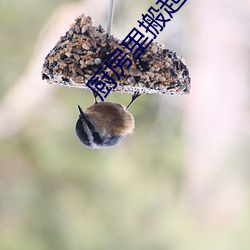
x,y
104,125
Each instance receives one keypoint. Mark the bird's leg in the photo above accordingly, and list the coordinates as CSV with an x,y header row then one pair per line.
x,y
134,97
95,96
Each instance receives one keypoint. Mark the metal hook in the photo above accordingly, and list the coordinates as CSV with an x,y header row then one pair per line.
x,y
110,16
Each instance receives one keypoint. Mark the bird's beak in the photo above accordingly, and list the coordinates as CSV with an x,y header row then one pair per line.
x,y
82,115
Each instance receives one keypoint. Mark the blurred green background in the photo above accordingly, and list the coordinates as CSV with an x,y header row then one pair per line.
x,y
180,182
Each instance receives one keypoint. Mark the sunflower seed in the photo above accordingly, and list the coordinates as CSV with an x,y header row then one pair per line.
x,y
85,46
88,62
134,72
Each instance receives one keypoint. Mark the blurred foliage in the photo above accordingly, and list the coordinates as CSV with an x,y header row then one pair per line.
x,y
20,23
56,194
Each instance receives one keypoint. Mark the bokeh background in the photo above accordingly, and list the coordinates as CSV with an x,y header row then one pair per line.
x,y
180,182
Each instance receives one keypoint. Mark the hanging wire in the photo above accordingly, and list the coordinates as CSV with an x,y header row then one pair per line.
x,y
110,15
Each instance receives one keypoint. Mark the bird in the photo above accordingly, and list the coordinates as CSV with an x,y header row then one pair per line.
x,y
104,124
